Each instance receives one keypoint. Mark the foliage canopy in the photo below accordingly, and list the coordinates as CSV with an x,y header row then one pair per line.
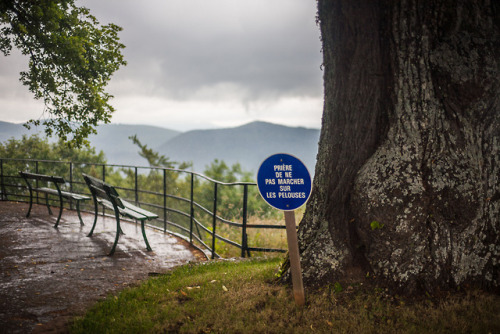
x,y
71,60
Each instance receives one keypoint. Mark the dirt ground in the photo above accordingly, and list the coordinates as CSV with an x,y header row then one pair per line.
x,y
48,275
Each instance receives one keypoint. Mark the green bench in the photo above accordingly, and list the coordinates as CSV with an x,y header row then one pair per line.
x,y
56,181
107,196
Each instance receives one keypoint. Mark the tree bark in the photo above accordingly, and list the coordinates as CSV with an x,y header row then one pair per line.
x,y
407,181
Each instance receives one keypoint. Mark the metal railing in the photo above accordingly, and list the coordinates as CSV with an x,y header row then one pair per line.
x,y
179,197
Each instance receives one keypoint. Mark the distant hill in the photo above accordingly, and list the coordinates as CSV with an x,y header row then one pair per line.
x,y
12,130
112,139
248,144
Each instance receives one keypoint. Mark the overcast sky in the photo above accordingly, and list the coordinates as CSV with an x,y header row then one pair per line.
x,y
195,64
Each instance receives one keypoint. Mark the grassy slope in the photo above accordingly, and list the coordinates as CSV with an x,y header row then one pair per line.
x,y
240,297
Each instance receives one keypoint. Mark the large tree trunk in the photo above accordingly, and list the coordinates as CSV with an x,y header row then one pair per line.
x,y
407,182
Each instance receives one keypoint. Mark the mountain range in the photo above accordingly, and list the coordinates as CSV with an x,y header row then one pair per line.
x,y
248,144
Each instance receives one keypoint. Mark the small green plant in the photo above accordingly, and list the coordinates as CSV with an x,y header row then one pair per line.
x,y
375,225
337,287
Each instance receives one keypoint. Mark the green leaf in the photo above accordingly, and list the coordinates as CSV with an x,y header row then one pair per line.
x,y
375,225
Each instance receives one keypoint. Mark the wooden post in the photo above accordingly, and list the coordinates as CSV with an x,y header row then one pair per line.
x,y
280,179
293,253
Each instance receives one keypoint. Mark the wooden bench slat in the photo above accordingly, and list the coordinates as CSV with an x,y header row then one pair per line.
x,y
124,211
64,194
74,196
42,177
133,214
149,215
47,190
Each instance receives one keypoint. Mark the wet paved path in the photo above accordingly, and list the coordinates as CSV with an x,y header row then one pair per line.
x,y
49,275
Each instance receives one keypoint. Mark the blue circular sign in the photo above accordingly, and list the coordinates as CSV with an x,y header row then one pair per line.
x,y
284,182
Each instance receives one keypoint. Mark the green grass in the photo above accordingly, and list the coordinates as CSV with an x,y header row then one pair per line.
x,y
243,297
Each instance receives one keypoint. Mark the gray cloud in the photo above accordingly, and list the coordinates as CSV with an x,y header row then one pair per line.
x,y
201,63
178,48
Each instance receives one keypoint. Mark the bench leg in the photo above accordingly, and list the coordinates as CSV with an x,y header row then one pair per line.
x,y
31,204
95,218
118,230
144,236
78,211
60,212
47,203
58,217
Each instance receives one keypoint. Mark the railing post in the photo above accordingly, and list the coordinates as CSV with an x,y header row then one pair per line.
x,y
244,239
136,187
214,221
2,189
4,194
71,182
104,179
191,215
165,218
36,182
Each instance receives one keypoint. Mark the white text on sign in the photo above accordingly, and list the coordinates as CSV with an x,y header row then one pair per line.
x,y
283,168
284,178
